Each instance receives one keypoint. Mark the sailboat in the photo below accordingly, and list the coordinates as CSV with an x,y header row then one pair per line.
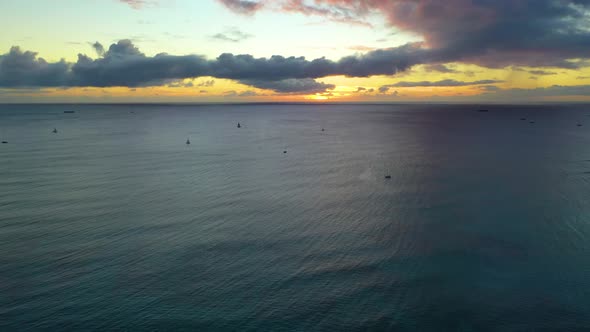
x,y
239,126
54,130
188,141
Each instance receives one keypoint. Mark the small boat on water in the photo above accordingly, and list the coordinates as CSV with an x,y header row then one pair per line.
x,y
69,112
579,124
188,141
285,151
484,110
239,126
323,129
387,177
54,130
522,119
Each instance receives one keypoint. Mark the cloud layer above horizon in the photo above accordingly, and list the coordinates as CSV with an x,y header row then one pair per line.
x,y
486,33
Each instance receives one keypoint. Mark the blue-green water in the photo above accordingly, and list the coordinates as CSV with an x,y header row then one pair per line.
x,y
114,223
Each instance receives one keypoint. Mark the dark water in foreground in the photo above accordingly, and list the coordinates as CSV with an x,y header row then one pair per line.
x,y
115,223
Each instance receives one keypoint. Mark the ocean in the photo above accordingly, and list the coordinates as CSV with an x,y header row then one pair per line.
x,y
115,223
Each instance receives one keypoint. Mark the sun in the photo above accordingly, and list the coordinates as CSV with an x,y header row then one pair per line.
x,y
316,97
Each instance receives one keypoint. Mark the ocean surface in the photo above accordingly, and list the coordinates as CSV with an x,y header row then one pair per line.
x,y
114,223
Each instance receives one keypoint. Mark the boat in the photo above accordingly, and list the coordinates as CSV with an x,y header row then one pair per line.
x,y
322,129
522,119
285,151
69,112
54,130
579,124
239,126
387,177
483,110
188,141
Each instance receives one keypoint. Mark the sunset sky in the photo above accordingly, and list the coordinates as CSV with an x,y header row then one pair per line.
x,y
295,50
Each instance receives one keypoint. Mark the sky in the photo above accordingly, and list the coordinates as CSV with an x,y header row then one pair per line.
x,y
477,51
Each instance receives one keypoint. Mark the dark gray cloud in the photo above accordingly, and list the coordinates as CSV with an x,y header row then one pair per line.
x,y
180,84
231,34
442,83
248,93
490,33
385,90
98,48
242,6
542,72
552,91
440,68
25,69
208,83
490,88
291,85
123,64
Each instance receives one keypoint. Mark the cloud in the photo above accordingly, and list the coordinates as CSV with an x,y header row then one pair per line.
x,y
208,83
552,91
442,83
231,34
180,84
495,34
292,85
25,69
242,6
440,68
490,88
123,64
248,93
542,72
98,48
385,89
